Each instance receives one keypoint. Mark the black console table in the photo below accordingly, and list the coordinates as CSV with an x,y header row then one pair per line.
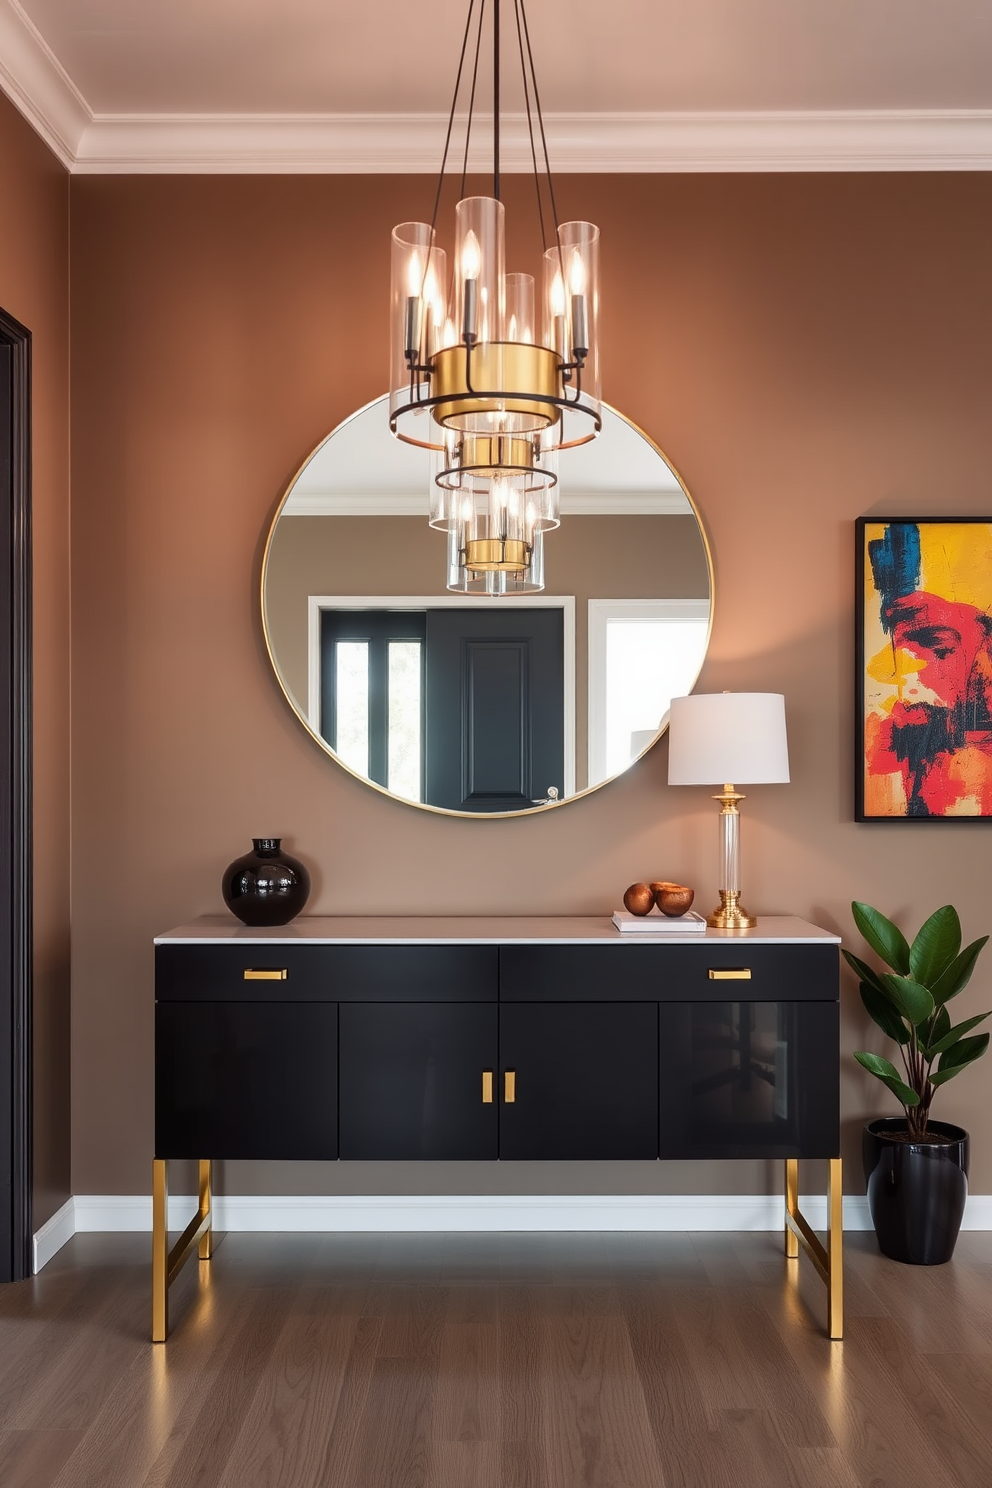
x,y
495,1038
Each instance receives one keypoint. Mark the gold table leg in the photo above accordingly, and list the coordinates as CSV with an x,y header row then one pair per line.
x,y
166,1263
828,1259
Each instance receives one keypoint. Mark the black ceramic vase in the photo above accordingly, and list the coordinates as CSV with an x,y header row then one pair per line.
x,y
916,1190
266,886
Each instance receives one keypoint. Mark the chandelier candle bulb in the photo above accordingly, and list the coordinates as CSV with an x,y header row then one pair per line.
x,y
414,309
580,336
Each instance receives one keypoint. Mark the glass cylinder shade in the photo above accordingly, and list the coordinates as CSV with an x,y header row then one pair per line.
x,y
571,325
479,269
466,579
418,281
519,323
468,465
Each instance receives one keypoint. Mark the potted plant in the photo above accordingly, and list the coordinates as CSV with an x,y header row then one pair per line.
x,y
916,1170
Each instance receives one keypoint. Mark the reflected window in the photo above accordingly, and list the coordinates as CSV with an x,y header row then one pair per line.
x,y
372,688
406,718
642,653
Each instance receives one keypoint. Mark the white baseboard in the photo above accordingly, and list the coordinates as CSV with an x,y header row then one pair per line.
x,y
54,1233
450,1213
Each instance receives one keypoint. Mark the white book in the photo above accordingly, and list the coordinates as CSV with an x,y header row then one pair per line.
x,y
656,923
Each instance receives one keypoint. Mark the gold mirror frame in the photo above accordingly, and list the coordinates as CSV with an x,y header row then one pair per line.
x,y
322,743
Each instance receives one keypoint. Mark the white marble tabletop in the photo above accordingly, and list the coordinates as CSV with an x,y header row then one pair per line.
x,y
476,930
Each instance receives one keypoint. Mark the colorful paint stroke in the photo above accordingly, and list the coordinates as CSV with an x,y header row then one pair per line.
x,y
925,661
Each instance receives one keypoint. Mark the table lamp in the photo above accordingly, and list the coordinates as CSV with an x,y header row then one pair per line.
x,y
720,737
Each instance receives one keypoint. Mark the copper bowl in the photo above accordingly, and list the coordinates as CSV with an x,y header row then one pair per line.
x,y
671,898
639,899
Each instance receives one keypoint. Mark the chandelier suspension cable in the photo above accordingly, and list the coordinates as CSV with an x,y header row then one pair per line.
x,y
496,99
540,125
451,114
530,130
471,99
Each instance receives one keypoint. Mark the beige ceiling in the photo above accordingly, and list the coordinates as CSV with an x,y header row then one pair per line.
x,y
388,56
106,75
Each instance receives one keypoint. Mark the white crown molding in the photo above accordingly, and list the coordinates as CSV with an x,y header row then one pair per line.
x,y
371,144
368,144
606,143
36,83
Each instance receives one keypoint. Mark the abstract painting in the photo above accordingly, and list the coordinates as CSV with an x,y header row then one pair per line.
x,y
924,659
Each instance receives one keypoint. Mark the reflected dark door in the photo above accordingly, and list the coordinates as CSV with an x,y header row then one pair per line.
x,y
495,708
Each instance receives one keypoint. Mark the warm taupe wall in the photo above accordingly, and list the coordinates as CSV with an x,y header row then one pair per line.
x,y
34,287
804,348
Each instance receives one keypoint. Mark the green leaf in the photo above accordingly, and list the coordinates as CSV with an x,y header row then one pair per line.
x,y
889,1075
965,1050
958,974
912,1000
937,943
865,972
953,1034
885,939
963,1053
881,1011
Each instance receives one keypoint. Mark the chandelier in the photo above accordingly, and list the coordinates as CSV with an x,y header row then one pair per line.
x,y
488,371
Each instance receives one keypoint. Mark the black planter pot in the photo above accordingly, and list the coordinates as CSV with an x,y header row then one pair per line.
x,y
916,1190
266,886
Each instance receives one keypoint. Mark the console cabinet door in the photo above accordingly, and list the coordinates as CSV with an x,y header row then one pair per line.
x,y
246,1079
750,1079
412,1080
584,1078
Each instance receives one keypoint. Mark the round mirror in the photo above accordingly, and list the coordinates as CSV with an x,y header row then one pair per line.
x,y
488,704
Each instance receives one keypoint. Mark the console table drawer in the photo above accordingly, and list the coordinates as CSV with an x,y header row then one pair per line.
x,y
316,973
663,972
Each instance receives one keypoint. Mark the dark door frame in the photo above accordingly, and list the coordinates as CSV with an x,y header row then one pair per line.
x,y
15,803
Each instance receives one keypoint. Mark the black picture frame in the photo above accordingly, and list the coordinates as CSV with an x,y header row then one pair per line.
x,y
923,585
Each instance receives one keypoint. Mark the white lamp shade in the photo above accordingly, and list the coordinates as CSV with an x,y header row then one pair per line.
x,y
719,738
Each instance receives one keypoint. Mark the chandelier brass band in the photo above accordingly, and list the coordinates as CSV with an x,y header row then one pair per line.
x,y
497,555
500,370
489,456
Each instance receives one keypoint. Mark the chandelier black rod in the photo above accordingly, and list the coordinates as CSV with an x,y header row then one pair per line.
x,y
471,98
451,115
530,129
496,99
540,125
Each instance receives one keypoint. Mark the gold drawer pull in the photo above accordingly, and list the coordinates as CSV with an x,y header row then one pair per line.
x,y
265,974
510,1086
487,1087
731,974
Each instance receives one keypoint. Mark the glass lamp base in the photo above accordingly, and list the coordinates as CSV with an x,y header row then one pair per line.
x,y
730,914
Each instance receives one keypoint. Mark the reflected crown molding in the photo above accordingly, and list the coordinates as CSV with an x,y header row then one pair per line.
x,y
407,504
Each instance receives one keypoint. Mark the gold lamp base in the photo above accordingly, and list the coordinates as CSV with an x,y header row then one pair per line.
x,y
730,914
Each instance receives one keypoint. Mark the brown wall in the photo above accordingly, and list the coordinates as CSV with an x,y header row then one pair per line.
x,y
804,348
34,287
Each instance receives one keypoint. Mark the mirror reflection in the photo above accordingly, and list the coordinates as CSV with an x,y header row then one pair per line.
x,y
484,703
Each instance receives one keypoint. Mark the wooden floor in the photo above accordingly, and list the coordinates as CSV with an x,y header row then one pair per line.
x,y
497,1361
